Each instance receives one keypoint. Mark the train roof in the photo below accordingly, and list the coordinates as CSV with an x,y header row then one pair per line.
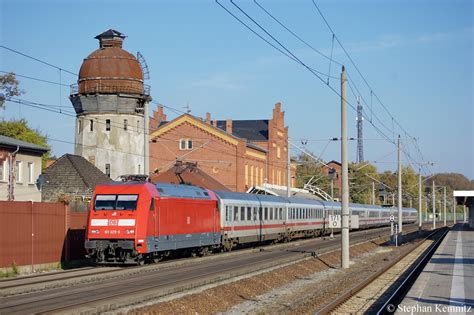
x,y
248,197
182,191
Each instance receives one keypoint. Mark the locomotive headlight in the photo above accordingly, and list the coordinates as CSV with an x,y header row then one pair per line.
x,y
95,231
129,231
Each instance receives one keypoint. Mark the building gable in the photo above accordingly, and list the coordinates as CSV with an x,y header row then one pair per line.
x,y
197,123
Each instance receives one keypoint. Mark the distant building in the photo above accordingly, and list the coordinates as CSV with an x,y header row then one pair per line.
x,y
110,100
71,176
20,167
239,154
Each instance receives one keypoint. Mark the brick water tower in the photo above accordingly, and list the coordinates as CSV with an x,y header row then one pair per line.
x,y
110,100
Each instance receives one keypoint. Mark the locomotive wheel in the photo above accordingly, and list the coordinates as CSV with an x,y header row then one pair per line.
x,y
204,251
140,260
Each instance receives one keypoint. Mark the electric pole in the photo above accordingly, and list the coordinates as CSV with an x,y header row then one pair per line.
x,y
373,192
420,202
345,177
400,218
444,205
288,172
434,206
454,210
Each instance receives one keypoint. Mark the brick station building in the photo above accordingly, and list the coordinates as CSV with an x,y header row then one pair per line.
x,y
237,153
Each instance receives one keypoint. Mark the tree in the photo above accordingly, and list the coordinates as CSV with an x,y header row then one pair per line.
x,y
308,168
20,130
360,184
9,86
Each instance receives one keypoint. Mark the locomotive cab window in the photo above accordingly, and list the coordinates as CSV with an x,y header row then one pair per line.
x,y
115,202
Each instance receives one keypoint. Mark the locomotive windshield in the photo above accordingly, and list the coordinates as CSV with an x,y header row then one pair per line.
x,y
115,202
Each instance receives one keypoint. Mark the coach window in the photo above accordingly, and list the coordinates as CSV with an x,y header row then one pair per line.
x,y
280,211
227,213
249,213
271,213
266,213
242,213
236,213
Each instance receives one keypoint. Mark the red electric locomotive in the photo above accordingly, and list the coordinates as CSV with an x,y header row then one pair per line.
x,y
138,221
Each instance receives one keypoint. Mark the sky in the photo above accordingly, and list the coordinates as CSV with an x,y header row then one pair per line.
x,y
411,62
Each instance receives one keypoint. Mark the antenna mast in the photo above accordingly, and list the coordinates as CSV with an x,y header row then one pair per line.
x,y
360,143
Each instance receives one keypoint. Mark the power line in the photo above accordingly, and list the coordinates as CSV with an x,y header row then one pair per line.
x,y
36,79
36,59
357,69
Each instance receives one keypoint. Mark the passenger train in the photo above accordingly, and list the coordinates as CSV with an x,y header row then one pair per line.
x,y
141,222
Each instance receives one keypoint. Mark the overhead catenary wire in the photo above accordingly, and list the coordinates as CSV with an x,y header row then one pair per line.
x,y
389,139
37,59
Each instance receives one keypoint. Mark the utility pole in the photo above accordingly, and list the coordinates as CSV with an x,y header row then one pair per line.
x,y
373,192
288,172
146,141
444,205
434,205
360,143
454,210
420,202
400,218
345,177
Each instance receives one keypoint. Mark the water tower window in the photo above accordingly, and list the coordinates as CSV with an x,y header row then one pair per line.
x,y
107,125
79,126
107,170
190,144
92,125
125,124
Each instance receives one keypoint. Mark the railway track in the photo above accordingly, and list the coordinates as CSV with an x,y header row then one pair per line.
x,y
40,282
114,292
379,293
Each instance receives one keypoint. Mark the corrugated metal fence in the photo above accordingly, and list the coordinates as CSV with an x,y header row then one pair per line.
x,y
34,233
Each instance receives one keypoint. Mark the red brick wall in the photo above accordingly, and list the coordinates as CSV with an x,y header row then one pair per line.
x,y
215,157
227,163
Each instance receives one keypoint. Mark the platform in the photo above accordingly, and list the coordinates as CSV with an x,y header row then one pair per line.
x,y
446,285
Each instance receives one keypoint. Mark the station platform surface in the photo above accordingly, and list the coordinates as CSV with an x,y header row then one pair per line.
x,y
446,285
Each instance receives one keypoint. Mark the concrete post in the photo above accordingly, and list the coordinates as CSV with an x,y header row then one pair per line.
x,y
434,205
400,205
373,192
454,210
444,205
420,202
146,139
345,177
288,173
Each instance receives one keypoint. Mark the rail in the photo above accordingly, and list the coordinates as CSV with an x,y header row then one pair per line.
x,y
328,308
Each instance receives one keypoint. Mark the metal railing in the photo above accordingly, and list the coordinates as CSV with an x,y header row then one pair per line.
x,y
99,87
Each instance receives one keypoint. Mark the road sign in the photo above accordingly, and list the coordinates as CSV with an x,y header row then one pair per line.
x,y
392,218
335,221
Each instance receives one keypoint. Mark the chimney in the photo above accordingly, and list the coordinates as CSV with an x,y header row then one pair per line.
x,y
110,38
277,112
160,114
208,118
228,126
